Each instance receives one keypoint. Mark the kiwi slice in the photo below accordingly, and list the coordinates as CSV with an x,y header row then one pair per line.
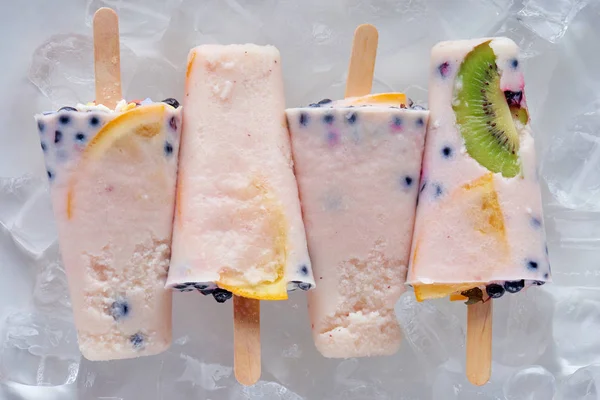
x,y
483,115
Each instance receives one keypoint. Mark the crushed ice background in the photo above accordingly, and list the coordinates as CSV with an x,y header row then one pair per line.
x,y
546,341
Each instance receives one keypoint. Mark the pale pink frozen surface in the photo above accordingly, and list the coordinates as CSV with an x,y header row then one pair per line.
x,y
447,249
237,207
358,173
116,243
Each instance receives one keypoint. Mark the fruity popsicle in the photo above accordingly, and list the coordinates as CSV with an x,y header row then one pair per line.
x,y
358,171
238,226
479,227
112,178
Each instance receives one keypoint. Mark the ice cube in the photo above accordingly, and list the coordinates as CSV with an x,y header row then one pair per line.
x,y
33,236
14,192
432,329
530,383
17,391
572,161
141,22
450,383
583,384
44,348
51,293
62,68
522,327
575,326
263,390
550,19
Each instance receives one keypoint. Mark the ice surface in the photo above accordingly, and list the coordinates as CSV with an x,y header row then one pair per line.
x,y
584,384
541,335
550,19
530,383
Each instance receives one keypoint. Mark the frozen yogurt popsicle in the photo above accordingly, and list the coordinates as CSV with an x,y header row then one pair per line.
x,y
112,179
238,225
358,171
479,227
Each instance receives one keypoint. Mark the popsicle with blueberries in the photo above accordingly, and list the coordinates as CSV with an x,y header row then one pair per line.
x,y
479,230
357,163
112,168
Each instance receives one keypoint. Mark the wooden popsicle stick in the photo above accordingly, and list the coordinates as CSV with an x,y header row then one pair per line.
x,y
362,61
107,57
479,342
246,340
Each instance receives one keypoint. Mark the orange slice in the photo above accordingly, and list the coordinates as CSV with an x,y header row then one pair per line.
x,y
438,291
264,212
141,123
378,99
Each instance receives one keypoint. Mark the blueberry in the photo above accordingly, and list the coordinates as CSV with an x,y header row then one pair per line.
x,y
172,102
324,101
168,148
438,190
80,137
328,119
304,119
221,295
57,136
536,222
314,105
538,283
94,121
119,309
532,265
67,109
304,270
417,107
443,69
200,286
44,147
351,118
137,340
408,181
50,174
494,290
303,285
514,63
184,287
513,98
420,121
397,122
514,286
64,119
41,126
173,123
447,151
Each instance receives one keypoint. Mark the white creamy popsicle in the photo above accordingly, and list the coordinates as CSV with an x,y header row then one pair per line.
x,y
479,225
112,179
238,225
358,171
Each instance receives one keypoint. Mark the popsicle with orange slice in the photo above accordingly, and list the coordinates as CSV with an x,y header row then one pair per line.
x,y
112,168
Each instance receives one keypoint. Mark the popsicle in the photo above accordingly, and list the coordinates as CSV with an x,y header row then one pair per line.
x,y
357,162
112,171
479,228
238,226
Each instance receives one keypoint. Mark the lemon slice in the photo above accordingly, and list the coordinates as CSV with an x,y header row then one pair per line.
x,y
142,123
438,291
378,99
271,291
146,121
